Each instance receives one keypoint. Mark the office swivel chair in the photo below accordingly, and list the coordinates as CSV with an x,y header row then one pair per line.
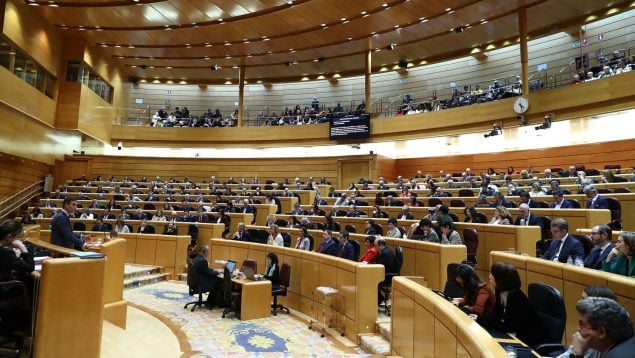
x,y
470,238
231,297
251,263
13,337
192,283
551,317
285,276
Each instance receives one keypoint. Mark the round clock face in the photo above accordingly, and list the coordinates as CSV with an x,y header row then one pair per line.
x,y
521,105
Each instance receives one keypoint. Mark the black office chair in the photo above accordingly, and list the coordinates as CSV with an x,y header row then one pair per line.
x,y
286,238
192,230
263,236
457,203
282,222
356,249
551,317
285,277
15,303
452,288
311,242
466,192
148,206
79,226
231,297
192,284
251,264
350,228
470,238
386,286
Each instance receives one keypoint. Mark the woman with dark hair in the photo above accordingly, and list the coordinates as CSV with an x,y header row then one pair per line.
x,y
330,224
449,236
478,298
470,215
272,271
623,250
512,312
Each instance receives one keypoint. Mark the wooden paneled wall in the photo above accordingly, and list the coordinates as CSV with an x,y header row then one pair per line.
x,y
200,169
16,173
593,155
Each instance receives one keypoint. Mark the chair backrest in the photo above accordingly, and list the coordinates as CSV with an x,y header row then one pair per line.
x,y
621,190
470,238
311,242
149,206
286,238
361,203
542,204
79,226
350,228
575,203
255,212
263,236
356,249
281,222
457,203
251,263
192,276
586,242
227,286
434,202
618,179
378,229
253,234
615,207
129,227
592,171
482,217
399,255
107,227
466,192
452,288
604,191
285,275
551,314
612,166
454,217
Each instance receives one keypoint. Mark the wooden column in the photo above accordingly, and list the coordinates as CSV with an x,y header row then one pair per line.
x,y
522,21
241,95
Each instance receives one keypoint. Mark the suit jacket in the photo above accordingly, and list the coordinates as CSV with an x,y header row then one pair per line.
x,y
505,203
516,316
244,236
566,204
570,247
387,258
346,251
99,227
248,209
533,204
623,349
298,212
535,220
600,203
62,232
202,218
207,278
167,231
595,259
409,216
146,230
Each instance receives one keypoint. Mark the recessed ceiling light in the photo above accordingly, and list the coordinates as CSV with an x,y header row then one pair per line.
x,y
364,13
448,9
384,5
323,25
207,44
343,19
168,67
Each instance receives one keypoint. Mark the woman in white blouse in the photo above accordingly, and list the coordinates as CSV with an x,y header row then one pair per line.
x,y
303,243
275,238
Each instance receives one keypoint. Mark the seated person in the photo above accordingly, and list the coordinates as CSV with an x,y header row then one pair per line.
x,y
208,280
170,229
478,298
15,264
623,250
272,271
121,227
470,215
371,254
423,231
563,245
512,311
449,236
386,257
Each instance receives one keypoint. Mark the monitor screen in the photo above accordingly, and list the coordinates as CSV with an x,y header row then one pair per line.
x,y
231,265
349,127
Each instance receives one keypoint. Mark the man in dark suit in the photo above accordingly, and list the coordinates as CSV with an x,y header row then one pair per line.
x,y
201,216
144,228
329,244
526,218
208,280
387,258
247,208
108,215
96,205
605,328
559,202
48,203
345,249
62,231
241,234
139,215
297,210
99,225
563,245
170,229
499,200
601,236
526,198
595,201
406,214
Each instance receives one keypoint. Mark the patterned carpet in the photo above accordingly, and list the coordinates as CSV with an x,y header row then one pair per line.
x,y
212,336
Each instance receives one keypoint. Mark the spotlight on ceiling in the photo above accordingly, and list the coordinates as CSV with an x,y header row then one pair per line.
x,y
143,67
546,124
497,129
215,68
459,29
522,120
403,64
391,47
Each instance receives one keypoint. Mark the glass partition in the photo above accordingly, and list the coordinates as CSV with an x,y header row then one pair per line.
x,y
79,71
15,60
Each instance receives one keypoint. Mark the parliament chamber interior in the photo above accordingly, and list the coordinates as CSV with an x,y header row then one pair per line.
x,y
304,178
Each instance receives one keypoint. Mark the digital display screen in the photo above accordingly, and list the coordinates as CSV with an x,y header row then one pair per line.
x,y
353,127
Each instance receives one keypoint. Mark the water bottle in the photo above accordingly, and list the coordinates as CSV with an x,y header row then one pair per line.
x,y
522,221
578,261
569,260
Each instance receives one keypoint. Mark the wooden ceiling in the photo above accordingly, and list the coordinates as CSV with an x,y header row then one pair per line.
x,y
284,40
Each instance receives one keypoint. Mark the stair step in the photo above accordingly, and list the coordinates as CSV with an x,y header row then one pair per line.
x,y
145,280
134,270
374,344
182,277
384,329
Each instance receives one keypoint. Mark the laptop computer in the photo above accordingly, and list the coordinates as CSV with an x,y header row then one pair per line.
x,y
230,265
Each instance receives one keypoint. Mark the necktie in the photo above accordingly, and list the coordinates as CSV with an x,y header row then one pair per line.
x,y
340,250
558,249
594,256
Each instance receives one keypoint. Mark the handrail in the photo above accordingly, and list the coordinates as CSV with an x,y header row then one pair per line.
x,y
13,202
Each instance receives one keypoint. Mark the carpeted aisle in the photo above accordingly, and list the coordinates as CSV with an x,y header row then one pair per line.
x,y
212,336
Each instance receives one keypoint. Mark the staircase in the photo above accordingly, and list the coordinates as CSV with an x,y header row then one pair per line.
x,y
141,275
377,343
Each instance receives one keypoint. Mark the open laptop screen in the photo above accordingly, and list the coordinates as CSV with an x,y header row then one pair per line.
x,y
231,265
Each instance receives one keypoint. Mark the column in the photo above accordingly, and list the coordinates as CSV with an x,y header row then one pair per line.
x,y
241,95
522,21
